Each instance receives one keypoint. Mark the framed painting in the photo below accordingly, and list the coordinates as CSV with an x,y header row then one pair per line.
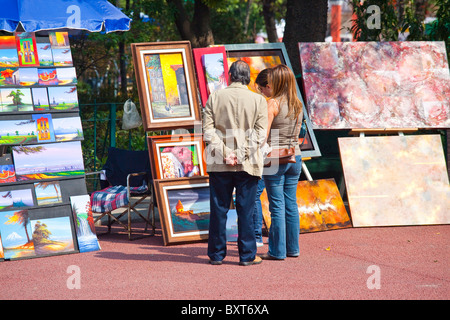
x,y
177,156
211,66
184,209
260,56
166,84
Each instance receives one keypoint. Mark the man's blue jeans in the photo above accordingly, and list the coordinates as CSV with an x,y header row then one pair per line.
x,y
281,190
221,186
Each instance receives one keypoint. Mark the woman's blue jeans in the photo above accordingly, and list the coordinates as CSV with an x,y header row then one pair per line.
x,y
257,214
281,190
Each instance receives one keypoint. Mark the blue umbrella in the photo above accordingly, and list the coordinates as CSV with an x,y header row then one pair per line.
x,y
40,15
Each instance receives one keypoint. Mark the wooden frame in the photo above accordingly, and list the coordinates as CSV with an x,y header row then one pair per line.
x,y
310,149
183,221
166,84
199,68
190,167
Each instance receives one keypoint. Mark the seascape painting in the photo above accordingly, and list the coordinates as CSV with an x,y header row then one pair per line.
x,y
52,236
63,98
16,199
66,76
67,129
28,76
48,161
354,85
18,132
8,52
396,180
47,192
84,223
16,233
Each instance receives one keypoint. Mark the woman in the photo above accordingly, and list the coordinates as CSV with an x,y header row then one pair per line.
x,y
285,118
263,86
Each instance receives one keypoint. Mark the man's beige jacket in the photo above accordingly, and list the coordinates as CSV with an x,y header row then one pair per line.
x,y
235,120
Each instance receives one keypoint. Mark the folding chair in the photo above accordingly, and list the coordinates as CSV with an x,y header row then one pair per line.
x,y
128,175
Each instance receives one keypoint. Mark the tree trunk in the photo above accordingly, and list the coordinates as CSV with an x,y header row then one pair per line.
x,y
269,20
306,21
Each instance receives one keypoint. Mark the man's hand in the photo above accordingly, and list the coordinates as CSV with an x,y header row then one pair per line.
x,y
231,159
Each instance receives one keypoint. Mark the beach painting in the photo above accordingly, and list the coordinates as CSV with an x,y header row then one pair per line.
x,y
63,98
47,192
15,99
44,50
16,199
66,76
67,129
8,52
48,161
84,223
40,99
44,127
28,76
17,132
16,233
52,236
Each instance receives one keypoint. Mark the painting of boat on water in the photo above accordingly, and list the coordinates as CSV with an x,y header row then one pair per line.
x,y
52,236
49,161
16,233
16,199
84,223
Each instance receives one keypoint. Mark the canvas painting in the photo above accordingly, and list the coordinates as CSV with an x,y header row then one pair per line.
x,y
8,52
48,161
47,192
66,76
28,76
214,71
40,99
44,127
17,132
59,40
232,226
15,99
319,204
52,236
16,233
9,77
27,49
396,180
7,173
184,205
2,254
47,76
67,129
16,199
60,45
377,85
63,98
44,50
84,223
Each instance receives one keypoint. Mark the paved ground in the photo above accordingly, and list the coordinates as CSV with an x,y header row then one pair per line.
x,y
403,262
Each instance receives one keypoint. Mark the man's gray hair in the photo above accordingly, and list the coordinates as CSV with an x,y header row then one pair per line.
x,y
240,72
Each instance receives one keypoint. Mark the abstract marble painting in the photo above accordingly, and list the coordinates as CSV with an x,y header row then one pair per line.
x,y
396,180
350,85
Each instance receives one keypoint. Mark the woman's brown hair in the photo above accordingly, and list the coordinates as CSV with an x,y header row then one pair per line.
x,y
282,81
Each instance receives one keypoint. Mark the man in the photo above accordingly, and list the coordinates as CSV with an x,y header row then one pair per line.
x,y
235,126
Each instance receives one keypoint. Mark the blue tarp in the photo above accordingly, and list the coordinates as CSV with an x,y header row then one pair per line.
x,y
39,15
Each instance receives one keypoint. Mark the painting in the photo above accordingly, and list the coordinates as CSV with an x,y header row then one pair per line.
x,y
15,99
27,49
16,199
47,77
219,69
7,173
63,98
44,50
17,132
84,223
9,77
67,129
47,192
66,76
48,161
232,226
16,233
44,127
59,42
40,99
52,236
166,84
396,180
319,204
265,55
184,208
8,52
177,156
376,85
28,76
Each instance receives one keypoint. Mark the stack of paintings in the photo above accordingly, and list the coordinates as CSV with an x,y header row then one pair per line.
x,y
44,206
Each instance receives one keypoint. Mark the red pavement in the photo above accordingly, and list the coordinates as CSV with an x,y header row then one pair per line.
x,y
413,263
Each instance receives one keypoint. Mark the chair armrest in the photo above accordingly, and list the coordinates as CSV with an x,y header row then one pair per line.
x,y
94,172
128,180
